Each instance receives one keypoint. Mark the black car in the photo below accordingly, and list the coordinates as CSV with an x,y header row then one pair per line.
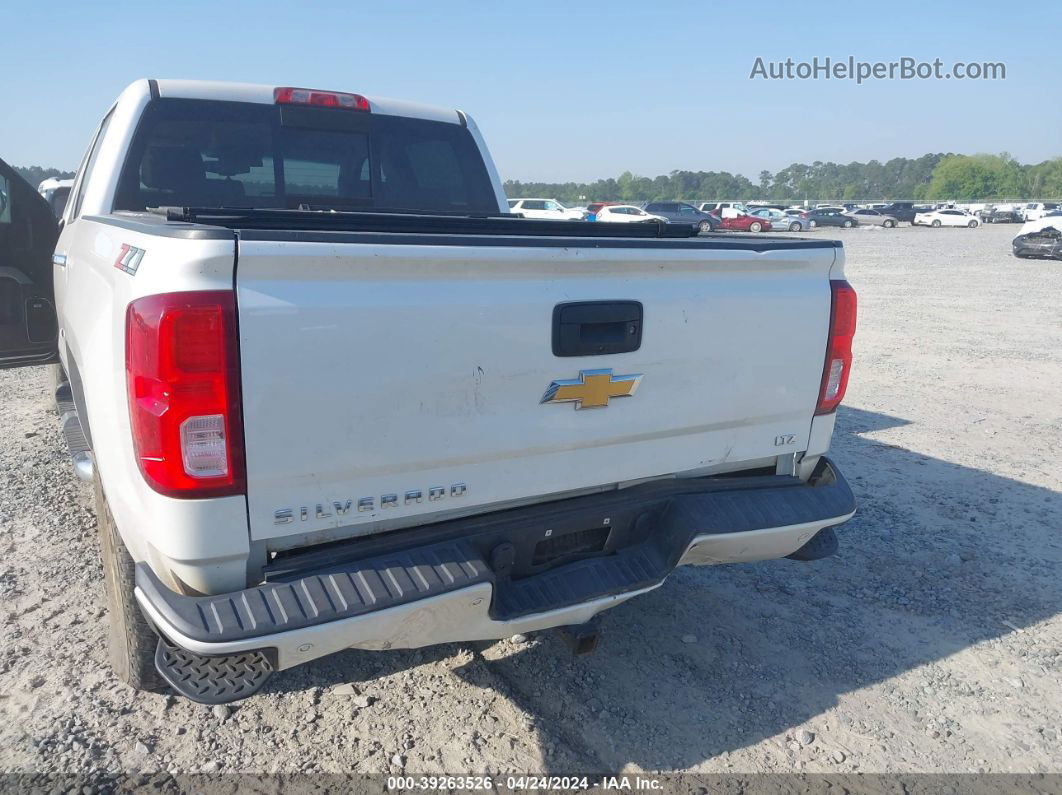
x,y
1043,244
824,217
682,213
994,216
901,211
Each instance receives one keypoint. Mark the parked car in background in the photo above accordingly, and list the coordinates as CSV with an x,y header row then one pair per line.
x,y
946,217
998,215
829,216
1036,210
1040,239
1052,219
745,223
593,207
723,209
55,192
683,213
867,217
901,211
626,214
545,208
780,222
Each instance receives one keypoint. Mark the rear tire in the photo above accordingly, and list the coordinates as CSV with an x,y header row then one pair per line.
x,y
131,641
755,226
794,227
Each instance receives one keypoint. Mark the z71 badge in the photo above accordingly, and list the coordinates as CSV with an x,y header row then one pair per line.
x,y
129,259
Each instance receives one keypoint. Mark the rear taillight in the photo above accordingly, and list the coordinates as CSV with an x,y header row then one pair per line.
x,y
838,347
322,99
182,376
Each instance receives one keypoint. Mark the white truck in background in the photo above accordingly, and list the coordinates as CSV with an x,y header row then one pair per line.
x,y
1034,211
56,191
332,395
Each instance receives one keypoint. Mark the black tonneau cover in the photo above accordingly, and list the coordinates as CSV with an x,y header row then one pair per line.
x,y
437,230
417,223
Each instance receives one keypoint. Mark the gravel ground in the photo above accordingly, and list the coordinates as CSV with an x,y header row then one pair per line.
x,y
931,643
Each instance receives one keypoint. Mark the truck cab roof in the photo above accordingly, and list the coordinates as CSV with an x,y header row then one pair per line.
x,y
261,93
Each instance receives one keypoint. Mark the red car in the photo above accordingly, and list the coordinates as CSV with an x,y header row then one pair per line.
x,y
745,223
593,207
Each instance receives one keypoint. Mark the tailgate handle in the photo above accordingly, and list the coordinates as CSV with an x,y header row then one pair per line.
x,y
596,328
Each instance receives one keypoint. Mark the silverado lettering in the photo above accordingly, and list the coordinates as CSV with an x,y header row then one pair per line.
x,y
341,508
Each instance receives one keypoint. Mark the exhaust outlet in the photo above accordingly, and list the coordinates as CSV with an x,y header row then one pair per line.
x,y
83,467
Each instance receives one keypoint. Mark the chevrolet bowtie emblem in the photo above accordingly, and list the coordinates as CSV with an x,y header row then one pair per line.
x,y
592,389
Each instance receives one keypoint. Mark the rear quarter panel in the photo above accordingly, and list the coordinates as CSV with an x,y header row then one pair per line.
x,y
203,542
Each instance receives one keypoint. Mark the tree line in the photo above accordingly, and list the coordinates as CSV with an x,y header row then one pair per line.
x,y
35,175
930,177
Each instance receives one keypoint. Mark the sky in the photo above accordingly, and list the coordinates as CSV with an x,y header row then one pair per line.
x,y
565,91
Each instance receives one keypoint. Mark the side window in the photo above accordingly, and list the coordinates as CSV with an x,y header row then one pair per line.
x,y
436,168
534,205
90,161
552,206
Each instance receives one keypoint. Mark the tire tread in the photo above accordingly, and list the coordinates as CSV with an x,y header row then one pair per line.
x,y
131,640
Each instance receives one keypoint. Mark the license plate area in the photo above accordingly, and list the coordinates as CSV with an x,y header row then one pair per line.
x,y
569,546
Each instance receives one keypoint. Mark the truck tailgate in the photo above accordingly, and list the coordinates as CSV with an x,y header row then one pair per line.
x,y
389,382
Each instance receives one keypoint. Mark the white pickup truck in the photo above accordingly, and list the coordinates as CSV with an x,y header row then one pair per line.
x,y
333,395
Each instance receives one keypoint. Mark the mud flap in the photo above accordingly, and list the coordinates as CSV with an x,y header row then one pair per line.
x,y
212,680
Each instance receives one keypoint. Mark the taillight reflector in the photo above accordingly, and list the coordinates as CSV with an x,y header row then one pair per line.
x,y
322,99
182,376
838,364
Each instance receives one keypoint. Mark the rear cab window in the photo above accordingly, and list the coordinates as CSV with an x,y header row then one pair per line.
x,y
208,153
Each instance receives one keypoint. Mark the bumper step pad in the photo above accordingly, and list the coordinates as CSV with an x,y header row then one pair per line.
x,y
628,570
365,587
212,680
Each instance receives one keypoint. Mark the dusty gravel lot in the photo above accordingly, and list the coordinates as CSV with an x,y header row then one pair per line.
x,y
931,643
